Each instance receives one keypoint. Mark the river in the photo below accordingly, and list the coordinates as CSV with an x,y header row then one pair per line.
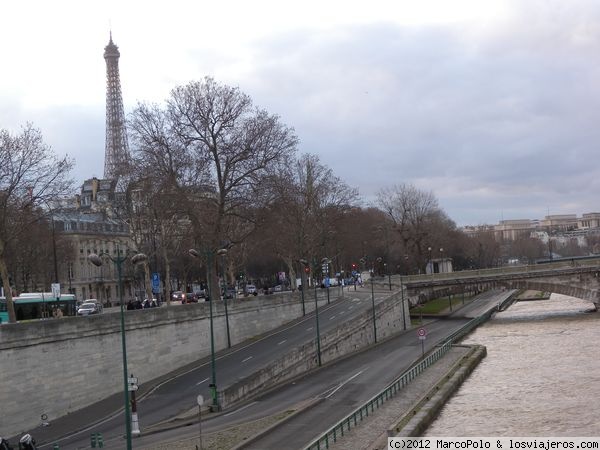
x,y
541,376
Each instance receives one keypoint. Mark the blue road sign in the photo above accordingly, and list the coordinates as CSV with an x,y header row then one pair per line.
x,y
155,282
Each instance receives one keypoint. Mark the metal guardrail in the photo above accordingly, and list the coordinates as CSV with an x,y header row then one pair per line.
x,y
337,431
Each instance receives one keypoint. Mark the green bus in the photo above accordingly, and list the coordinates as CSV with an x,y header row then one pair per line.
x,y
38,305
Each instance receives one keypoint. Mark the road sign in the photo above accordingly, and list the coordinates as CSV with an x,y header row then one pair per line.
x,y
132,387
422,333
56,290
155,282
132,380
200,400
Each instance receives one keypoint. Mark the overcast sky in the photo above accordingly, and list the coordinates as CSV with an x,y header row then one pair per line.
x,y
492,105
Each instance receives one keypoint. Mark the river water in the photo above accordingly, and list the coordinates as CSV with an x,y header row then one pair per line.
x,y
541,376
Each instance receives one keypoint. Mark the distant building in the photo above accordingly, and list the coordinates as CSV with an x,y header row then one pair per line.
x,y
475,230
588,221
89,224
559,222
512,230
439,265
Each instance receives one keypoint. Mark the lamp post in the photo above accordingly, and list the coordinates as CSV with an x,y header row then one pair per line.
x,y
303,286
403,311
430,262
389,274
373,302
325,264
223,252
118,260
307,265
213,385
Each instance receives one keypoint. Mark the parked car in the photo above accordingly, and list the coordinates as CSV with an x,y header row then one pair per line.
x,y
251,290
190,297
230,292
95,302
147,303
88,308
178,295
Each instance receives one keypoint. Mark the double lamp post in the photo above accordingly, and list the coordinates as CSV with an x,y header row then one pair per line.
x,y
118,260
211,291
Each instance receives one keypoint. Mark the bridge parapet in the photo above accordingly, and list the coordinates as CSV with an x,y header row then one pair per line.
x,y
575,281
470,277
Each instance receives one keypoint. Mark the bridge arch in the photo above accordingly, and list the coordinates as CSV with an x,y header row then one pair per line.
x,y
581,292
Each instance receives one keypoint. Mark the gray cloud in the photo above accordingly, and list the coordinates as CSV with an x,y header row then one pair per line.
x,y
499,119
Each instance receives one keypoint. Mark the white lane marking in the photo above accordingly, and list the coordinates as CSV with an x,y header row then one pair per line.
x,y
332,317
241,409
247,359
282,342
200,382
347,381
310,316
309,329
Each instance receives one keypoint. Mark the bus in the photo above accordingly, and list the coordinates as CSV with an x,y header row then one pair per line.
x,y
38,305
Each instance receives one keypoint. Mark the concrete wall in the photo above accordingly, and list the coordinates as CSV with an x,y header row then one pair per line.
x,y
58,366
62,365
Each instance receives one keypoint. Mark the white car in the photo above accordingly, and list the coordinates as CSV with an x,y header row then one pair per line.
x,y
88,308
251,289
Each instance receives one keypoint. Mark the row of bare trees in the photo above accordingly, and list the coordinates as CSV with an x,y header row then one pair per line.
x,y
211,171
31,175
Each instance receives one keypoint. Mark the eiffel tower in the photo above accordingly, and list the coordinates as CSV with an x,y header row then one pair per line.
x,y
117,149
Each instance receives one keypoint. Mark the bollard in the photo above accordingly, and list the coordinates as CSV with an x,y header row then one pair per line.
x,y
100,441
93,440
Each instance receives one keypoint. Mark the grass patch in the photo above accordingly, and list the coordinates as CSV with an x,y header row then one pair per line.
x,y
439,305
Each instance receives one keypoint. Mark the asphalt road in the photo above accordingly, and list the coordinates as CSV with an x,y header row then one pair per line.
x,y
179,393
343,385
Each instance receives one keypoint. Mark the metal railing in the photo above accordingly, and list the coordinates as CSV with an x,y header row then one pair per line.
x,y
337,431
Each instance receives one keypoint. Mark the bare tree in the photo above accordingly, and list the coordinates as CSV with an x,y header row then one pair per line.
x,y
30,175
417,217
309,203
213,152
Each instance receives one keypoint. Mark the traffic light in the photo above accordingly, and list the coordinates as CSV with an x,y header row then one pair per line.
x,y
353,266
307,269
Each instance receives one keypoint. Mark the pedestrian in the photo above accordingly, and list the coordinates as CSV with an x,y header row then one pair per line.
x,y
59,313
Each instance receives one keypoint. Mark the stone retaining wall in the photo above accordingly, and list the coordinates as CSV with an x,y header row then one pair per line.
x,y
58,366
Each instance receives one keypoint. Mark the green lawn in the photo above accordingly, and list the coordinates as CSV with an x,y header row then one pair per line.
x,y
439,305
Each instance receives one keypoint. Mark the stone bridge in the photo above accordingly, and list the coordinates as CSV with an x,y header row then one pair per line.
x,y
575,279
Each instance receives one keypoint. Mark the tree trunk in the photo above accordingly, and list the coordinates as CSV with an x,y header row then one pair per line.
x,y
10,306
167,292
147,282
289,261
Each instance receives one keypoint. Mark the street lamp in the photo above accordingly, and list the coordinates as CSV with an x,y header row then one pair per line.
x,y
213,385
325,265
430,262
306,264
373,302
223,252
365,261
118,260
303,285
